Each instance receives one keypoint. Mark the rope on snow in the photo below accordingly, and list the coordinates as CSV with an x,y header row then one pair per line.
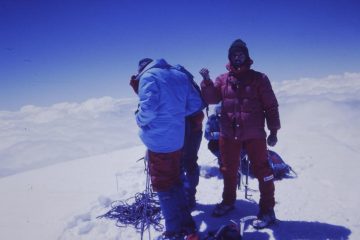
x,y
141,211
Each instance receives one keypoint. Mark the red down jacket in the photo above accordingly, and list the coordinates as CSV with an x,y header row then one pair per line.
x,y
247,100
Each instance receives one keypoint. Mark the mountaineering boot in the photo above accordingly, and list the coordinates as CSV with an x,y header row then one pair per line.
x,y
264,219
222,209
178,236
170,236
192,236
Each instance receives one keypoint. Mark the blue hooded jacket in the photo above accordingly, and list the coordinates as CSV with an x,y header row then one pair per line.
x,y
166,97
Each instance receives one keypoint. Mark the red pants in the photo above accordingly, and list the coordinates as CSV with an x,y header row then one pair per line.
x,y
164,169
257,152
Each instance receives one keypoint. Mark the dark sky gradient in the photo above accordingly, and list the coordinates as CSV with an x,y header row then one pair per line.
x,y
54,51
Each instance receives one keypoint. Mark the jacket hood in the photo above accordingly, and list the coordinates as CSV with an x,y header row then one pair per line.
x,y
240,45
143,63
158,63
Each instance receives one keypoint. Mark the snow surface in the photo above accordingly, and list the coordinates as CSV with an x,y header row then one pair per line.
x,y
61,166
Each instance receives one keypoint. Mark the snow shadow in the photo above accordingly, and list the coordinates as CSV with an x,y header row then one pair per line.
x,y
283,230
308,230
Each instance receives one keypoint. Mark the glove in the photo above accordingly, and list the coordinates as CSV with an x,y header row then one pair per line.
x,y
204,72
272,139
134,83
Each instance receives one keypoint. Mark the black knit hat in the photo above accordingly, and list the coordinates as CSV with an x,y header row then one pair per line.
x,y
143,63
239,45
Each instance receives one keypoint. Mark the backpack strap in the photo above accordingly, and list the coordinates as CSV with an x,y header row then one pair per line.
x,y
196,86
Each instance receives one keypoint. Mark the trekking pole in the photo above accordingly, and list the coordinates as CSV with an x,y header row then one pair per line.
x,y
239,177
146,200
247,178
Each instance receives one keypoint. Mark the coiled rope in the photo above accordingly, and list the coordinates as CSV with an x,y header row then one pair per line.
x,y
140,211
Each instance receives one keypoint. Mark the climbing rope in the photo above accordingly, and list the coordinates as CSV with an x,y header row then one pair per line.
x,y
140,211
143,212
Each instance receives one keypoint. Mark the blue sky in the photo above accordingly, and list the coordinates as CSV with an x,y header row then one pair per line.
x,y
56,51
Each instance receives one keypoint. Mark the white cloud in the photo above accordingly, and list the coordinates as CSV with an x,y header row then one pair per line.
x,y
343,88
328,106
39,136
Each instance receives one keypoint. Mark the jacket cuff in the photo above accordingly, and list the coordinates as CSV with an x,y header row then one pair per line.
x,y
206,83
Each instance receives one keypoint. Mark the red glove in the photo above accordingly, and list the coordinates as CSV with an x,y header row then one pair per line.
x,y
134,83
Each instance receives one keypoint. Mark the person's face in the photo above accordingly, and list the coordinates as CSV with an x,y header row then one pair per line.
x,y
237,58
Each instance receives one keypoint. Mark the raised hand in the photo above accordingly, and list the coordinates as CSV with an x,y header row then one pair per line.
x,y
204,72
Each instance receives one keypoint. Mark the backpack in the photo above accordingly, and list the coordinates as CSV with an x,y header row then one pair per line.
x,y
279,167
195,85
225,232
